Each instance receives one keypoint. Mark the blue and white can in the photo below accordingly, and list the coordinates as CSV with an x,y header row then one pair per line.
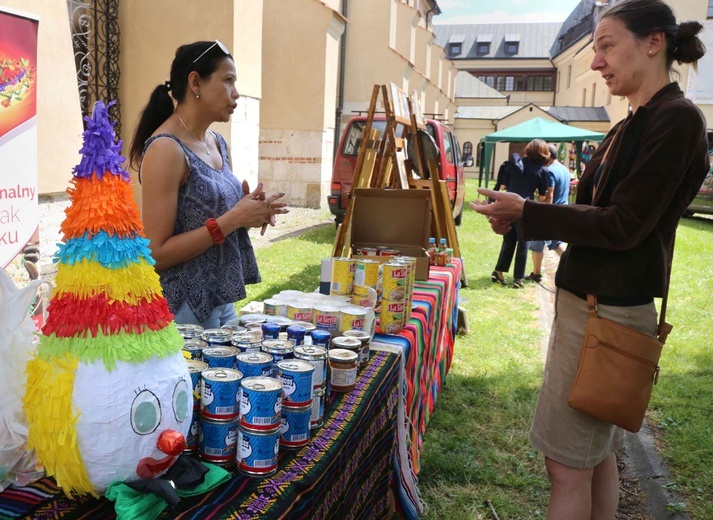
x,y
220,393
189,330
270,330
321,338
294,431
257,451
217,357
296,377
296,334
316,419
194,369
194,347
193,437
260,402
217,440
217,337
247,342
280,349
255,363
317,356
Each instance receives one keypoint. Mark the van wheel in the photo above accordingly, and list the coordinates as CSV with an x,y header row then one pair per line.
x,y
687,214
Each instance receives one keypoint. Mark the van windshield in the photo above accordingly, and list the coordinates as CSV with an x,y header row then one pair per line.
x,y
356,130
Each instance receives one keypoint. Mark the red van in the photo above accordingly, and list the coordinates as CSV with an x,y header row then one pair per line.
x,y
450,164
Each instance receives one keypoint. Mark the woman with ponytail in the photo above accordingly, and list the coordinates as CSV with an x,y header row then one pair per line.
x,y
196,213
620,233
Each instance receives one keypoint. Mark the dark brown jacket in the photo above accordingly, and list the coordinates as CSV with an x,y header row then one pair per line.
x,y
619,243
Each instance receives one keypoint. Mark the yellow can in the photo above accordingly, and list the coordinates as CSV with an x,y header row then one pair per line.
x,y
299,311
392,316
342,282
361,301
394,281
352,317
366,274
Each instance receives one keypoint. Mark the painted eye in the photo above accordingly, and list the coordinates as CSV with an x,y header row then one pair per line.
x,y
145,413
181,398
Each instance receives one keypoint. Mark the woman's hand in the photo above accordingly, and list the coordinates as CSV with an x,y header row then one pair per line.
x,y
506,206
256,209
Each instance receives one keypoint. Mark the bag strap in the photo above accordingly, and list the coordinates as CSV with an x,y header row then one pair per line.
x,y
663,329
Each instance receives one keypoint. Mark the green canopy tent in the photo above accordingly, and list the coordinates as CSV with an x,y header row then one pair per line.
x,y
536,128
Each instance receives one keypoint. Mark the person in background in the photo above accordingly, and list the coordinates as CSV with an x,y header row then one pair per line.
x,y
620,236
532,177
195,212
557,193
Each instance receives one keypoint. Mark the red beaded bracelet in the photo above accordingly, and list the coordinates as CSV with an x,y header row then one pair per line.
x,y
215,232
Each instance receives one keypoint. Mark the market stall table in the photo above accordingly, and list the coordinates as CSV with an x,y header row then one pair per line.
x,y
344,472
427,344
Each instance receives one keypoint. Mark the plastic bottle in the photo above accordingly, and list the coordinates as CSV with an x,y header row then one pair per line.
x,y
441,255
432,252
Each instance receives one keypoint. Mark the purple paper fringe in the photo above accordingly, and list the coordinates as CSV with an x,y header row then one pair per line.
x,y
100,152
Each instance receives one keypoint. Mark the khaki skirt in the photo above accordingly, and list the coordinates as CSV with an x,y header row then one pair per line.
x,y
559,432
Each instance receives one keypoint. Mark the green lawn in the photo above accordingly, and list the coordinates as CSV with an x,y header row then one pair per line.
x,y
476,450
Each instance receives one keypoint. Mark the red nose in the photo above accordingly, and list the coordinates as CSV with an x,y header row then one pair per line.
x,y
171,442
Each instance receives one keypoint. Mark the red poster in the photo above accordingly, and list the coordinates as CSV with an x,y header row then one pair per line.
x,y
19,208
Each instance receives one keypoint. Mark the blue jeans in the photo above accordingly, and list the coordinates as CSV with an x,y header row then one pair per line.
x,y
219,317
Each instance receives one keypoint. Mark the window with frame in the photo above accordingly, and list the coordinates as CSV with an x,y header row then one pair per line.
x,y
710,8
467,149
482,48
569,76
511,47
455,48
448,149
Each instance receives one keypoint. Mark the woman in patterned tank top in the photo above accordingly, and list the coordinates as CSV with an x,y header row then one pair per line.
x,y
196,213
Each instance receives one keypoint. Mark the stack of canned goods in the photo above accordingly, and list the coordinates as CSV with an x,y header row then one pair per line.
x,y
342,281
365,339
296,377
396,280
219,411
258,441
317,356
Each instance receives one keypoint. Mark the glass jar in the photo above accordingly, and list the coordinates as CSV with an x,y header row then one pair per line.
x,y
343,365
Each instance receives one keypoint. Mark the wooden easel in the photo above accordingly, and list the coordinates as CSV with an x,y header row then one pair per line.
x,y
394,171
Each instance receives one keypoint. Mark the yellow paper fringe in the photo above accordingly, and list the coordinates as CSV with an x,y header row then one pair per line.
x,y
130,348
52,422
128,284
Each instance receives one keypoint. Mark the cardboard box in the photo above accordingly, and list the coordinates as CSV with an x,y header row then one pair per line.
x,y
396,218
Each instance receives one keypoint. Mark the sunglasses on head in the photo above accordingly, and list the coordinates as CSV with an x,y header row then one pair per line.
x,y
220,46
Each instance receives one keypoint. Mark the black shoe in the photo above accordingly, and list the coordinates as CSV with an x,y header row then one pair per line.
x,y
517,283
497,278
534,277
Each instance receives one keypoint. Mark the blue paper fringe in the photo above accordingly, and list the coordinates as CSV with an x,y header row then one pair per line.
x,y
111,252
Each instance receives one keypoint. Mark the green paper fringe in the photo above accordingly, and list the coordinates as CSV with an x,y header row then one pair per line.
x,y
130,348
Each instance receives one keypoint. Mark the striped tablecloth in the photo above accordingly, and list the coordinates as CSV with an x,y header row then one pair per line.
x,y
427,345
344,472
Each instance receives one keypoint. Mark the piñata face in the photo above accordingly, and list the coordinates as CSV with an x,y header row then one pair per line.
x,y
123,414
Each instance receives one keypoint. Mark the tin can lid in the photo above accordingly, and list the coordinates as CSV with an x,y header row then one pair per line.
x,y
358,334
222,374
345,342
196,366
278,345
305,324
220,351
354,310
310,352
194,344
255,317
295,365
261,383
246,339
256,358
224,334
339,354
234,328
326,308
188,326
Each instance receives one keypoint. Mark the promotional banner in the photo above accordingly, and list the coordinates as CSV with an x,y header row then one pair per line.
x,y
19,210
700,82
